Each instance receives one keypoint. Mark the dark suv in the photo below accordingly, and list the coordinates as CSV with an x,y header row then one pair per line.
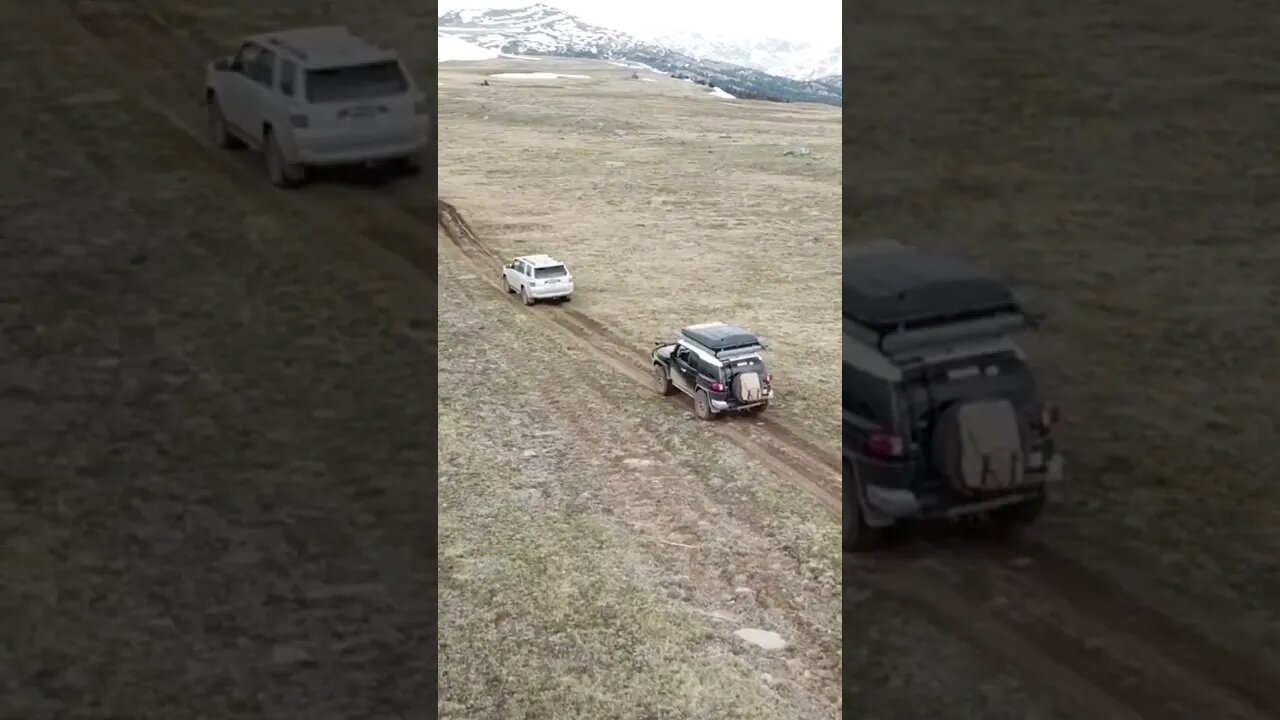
x,y
941,413
716,364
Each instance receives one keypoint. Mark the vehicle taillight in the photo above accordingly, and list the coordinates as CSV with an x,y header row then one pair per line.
x,y
885,445
717,387
1049,416
768,377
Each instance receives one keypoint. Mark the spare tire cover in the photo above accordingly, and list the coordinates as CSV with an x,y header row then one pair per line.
x,y
747,387
978,446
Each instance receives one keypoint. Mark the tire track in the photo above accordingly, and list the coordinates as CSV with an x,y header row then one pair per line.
x,y
1070,611
766,430
1102,671
150,61
806,470
141,34
770,591
402,227
145,42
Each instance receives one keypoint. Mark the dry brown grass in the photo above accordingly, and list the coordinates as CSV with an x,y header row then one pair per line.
x,y
598,551
670,205
207,509
1116,160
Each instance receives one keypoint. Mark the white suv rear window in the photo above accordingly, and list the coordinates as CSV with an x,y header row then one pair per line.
x,y
356,82
551,271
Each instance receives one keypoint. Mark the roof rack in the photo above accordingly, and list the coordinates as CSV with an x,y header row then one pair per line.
x,y
905,338
721,338
898,299
297,52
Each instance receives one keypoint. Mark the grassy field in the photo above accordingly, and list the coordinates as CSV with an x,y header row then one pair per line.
x,y
1115,160
215,497
598,552
671,206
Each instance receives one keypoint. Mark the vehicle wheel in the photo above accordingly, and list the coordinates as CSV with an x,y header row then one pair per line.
x,y
566,298
524,296
506,285
858,535
218,132
661,381
279,171
702,406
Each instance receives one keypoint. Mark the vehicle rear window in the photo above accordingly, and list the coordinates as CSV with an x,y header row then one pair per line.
x,y
356,82
553,271
1001,373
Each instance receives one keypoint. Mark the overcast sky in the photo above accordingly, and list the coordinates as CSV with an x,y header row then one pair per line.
x,y
815,21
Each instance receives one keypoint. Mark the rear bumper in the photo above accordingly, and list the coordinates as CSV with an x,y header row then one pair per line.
x,y
896,503
549,292
726,406
320,148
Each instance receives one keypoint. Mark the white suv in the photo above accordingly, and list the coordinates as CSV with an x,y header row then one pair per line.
x,y
537,277
316,96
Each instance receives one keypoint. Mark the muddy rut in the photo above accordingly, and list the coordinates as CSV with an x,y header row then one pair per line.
x,y
791,457
1089,646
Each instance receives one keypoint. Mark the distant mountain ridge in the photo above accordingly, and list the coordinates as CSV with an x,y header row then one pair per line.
x,y
784,58
543,30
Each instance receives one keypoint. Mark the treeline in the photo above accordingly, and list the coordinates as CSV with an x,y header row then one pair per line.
x,y
734,91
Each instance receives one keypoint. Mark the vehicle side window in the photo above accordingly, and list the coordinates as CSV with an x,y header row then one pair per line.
x,y
682,353
288,77
860,393
264,69
521,268
706,368
245,58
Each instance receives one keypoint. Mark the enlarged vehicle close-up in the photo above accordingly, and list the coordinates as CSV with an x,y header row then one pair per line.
x,y
316,97
537,277
941,412
719,366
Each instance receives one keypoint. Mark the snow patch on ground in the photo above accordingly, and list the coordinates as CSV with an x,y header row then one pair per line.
x,y
452,49
525,58
648,80
538,76
767,639
717,92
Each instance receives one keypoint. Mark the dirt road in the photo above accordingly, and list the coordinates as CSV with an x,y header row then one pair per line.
x,y
214,499
1106,157
1135,618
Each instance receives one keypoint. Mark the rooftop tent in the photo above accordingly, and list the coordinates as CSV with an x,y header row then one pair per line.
x,y
719,336
890,286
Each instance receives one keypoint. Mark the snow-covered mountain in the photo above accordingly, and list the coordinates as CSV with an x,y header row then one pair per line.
x,y
543,30
799,61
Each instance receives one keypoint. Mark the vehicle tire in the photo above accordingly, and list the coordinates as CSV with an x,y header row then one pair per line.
x,y
279,171
506,285
524,296
218,132
566,298
858,536
661,381
702,406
